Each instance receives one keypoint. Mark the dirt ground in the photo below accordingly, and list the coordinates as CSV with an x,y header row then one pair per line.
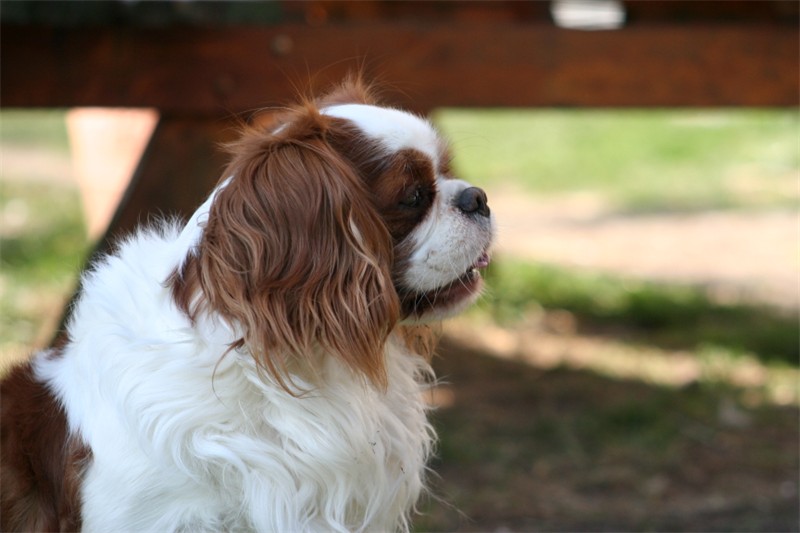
x,y
527,446
736,254
526,449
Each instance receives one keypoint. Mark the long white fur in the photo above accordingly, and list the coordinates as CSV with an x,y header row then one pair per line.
x,y
395,129
184,440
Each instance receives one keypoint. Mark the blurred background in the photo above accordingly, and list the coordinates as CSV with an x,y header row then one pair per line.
x,y
633,364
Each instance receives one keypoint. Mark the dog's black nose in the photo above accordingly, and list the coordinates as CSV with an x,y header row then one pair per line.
x,y
473,200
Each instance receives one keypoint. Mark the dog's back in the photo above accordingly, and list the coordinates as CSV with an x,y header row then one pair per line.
x,y
39,471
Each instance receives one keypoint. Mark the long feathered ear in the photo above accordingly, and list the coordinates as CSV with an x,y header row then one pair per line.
x,y
295,255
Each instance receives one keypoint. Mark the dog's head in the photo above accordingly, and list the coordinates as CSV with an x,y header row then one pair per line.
x,y
337,221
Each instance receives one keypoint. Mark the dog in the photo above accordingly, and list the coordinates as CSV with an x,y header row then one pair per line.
x,y
262,366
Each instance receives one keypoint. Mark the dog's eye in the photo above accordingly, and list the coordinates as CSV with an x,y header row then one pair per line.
x,y
413,199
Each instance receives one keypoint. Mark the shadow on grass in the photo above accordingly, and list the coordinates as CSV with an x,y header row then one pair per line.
x,y
524,449
667,316
48,241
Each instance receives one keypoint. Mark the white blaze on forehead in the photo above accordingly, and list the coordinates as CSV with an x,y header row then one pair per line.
x,y
394,129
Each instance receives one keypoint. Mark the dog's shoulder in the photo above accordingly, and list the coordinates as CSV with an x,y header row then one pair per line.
x,y
41,464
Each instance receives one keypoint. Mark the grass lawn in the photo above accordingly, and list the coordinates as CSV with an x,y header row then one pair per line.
x,y
42,248
637,160
42,237
671,316
40,129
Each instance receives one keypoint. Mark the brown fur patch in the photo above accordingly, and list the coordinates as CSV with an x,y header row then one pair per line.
x,y
41,464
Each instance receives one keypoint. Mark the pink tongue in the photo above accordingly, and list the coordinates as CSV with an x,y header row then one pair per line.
x,y
483,261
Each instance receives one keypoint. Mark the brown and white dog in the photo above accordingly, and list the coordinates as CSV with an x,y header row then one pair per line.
x,y
261,367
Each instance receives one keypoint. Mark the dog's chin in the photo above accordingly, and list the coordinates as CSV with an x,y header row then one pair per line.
x,y
446,300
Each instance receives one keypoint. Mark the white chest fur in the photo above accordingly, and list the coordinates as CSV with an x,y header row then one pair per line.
x,y
183,439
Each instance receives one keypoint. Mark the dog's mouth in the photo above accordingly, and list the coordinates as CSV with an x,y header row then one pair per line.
x,y
470,277
465,287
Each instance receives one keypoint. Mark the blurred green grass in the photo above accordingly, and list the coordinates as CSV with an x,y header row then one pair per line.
x,y
639,160
669,316
42,232
43,129
42,248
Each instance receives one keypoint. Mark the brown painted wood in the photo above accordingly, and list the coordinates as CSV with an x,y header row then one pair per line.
x,y
180,166
223,70
493,11
712,11
218,13
183,161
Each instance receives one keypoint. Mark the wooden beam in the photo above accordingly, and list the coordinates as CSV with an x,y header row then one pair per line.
x,y
181,164
218,71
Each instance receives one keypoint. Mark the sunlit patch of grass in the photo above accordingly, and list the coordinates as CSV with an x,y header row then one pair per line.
x,y
43,129
670,316
665,335
640,160
42,236
42,248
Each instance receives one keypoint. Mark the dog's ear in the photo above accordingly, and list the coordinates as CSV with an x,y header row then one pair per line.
x,y
295,255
